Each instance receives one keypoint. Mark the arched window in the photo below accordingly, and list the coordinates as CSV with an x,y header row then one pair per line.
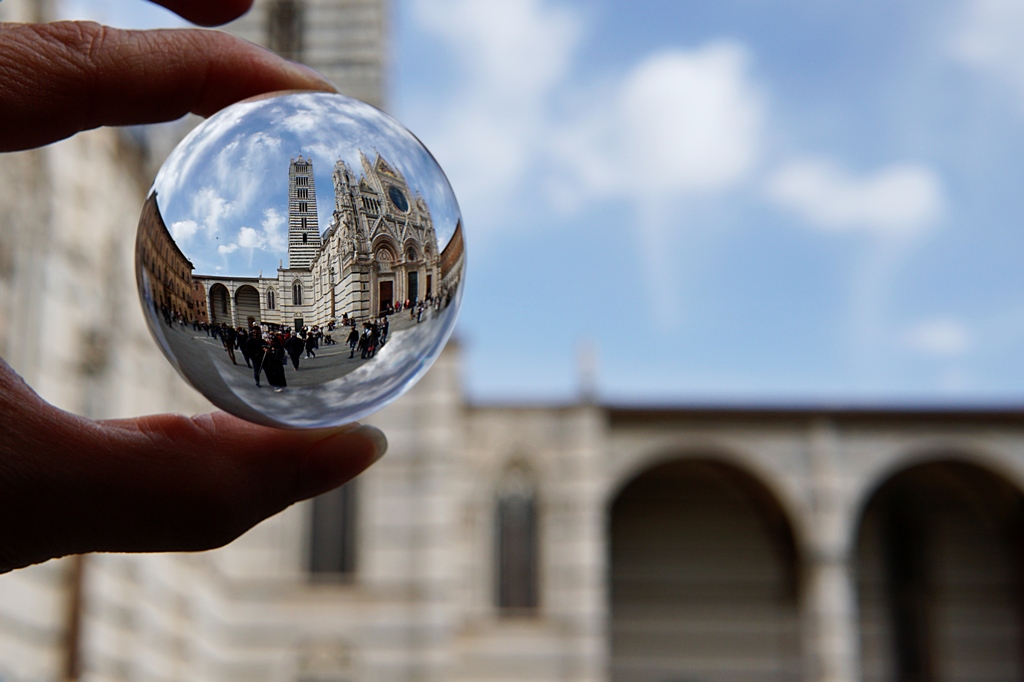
x,y
332,536
297,293
271,300
516,545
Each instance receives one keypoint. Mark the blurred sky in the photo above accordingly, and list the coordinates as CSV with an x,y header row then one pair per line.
x,y
733,201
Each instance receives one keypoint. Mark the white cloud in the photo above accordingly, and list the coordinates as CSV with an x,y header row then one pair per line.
x,y
274,231
901,198
494,132
249,238
990,37
683,120
681,126
515,49
183,231
273,238
940,337
210,208
690,120
302,121
680,123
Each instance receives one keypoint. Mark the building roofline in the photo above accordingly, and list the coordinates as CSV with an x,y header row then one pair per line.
x,y
930,414
229,279
640,414
151,199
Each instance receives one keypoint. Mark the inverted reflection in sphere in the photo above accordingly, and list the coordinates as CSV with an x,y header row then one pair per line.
x,y
300,259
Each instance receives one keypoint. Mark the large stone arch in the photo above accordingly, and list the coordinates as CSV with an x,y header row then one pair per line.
x,y
906,453
220,304
940,572
247,306
766,467
704,576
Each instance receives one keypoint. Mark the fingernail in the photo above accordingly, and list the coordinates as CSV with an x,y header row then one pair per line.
x,y
325,466
312,74
375,436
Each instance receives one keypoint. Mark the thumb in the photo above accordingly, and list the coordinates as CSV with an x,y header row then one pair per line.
x,y
162,483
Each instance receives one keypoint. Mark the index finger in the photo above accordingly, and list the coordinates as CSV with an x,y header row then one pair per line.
x,y
61,78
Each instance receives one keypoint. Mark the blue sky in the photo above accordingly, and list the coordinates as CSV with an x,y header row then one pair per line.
x,y
737,201
223,192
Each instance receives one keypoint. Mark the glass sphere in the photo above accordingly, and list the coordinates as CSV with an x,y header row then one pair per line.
x,y
300,259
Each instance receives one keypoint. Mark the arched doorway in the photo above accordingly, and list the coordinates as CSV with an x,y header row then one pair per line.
x,y
220,310
704,573
939,576
247,305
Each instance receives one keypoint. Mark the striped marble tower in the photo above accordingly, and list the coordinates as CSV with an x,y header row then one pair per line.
x,y
303,228
342,39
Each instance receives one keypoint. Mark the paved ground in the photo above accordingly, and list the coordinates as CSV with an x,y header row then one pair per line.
x,y
327,390
331,362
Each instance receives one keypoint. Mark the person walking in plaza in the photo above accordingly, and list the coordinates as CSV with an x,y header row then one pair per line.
x,y
227,337
364,342
384,327
241,339
374,338
273,364
293,345
353,342
254,346
310,345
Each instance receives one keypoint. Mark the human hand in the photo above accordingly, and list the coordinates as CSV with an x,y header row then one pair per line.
x,y
162,483
61,78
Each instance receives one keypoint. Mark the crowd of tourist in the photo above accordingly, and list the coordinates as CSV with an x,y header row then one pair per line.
x,y
267,349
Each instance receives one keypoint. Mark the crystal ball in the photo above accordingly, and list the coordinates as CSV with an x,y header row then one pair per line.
x,y
300,259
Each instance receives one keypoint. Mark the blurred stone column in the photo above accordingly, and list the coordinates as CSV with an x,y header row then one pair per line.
x,y
831,632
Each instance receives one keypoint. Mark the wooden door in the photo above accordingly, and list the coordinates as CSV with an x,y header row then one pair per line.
x,y
386,297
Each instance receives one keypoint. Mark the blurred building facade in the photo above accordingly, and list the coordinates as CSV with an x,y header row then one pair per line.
x,y
516,542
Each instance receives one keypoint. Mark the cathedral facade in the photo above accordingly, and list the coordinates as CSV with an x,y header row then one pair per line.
x,y
380,249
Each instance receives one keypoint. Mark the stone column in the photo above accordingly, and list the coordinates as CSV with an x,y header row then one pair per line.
x,y
231,307
830,626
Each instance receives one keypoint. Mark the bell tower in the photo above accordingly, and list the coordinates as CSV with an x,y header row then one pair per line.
x,y
342,39
303,228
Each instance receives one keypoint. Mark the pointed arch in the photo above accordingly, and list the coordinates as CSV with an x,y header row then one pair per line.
x,y
385,243
411,250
